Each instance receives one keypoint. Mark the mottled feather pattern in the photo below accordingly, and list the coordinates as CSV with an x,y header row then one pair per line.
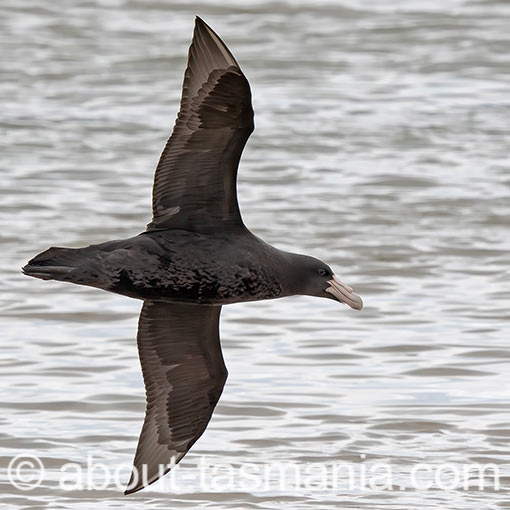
x,y
190,272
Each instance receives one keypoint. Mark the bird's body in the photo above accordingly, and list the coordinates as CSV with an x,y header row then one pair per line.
x,y
195,256
174,266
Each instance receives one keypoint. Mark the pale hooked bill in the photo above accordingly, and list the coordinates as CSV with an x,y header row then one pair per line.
x,y
344,293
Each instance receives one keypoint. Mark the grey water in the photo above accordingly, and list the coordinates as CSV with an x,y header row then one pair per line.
x,y
381,146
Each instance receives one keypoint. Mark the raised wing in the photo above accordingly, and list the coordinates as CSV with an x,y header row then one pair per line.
x,y
184,375
195,182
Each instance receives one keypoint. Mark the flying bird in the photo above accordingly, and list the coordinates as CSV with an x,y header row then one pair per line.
x,y
195,256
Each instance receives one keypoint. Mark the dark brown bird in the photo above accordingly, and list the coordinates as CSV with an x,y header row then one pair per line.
x,y
195,256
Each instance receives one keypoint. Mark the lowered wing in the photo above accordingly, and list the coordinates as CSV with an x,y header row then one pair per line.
x,y
184,375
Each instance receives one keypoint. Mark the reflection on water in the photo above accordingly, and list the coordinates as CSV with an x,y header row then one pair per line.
x,y
381,147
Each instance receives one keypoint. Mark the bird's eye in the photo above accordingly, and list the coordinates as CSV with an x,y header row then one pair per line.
x,y
322,272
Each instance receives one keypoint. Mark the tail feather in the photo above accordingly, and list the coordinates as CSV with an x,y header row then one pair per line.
x,y
99,265
54,263
47,272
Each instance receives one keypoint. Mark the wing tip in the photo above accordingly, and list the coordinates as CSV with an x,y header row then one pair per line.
x,y
141,484
201,27
144,483
199,22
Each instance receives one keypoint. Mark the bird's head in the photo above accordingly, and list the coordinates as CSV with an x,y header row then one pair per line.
x,y
318,279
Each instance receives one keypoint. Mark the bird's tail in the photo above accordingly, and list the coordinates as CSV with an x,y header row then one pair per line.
x,y
55,264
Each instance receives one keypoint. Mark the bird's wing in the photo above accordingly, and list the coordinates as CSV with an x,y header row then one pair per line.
x,y
195,182
184,375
